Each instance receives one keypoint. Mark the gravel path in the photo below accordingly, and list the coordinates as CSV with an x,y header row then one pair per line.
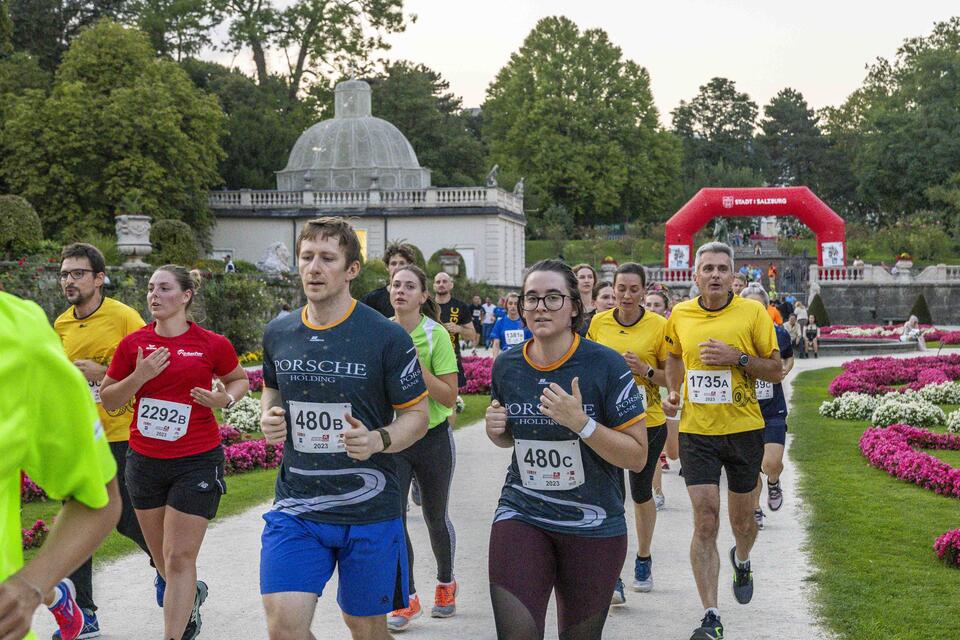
x,y
229,564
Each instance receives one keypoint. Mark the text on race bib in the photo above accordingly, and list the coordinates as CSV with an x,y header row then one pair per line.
x,y
94,391
513,336
317,427
709,387
550,465
764,390
643,395
162,419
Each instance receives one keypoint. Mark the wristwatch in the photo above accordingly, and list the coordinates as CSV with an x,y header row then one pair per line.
x,y
650,373
743,360
230,400
385,437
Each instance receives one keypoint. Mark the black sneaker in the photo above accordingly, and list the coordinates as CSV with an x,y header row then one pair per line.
x,y
710,628
742,579
194,623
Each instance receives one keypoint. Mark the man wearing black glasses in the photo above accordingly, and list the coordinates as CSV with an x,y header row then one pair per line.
x,y
90,331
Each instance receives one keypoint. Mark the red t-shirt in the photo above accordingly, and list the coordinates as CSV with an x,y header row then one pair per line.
x,y
195,358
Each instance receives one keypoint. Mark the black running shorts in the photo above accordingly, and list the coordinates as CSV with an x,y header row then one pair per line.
x,y
192,484
641,484
740,454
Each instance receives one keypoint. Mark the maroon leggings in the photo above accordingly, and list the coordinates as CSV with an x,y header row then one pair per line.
x,y
527,563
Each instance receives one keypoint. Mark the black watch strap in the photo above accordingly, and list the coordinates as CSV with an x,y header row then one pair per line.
x,y
385,436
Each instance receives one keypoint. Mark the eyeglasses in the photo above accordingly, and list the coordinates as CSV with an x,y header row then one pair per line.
x,y
552,301
76,274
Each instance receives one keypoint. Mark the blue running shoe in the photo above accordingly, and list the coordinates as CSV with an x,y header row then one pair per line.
x,y
91,627
643,575
619,595
161,586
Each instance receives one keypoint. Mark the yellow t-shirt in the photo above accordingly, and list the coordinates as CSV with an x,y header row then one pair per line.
x,y
645,339
719,400
96,338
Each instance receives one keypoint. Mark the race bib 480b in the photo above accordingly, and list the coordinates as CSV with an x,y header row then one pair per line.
x,y
709,387
317,427
550,465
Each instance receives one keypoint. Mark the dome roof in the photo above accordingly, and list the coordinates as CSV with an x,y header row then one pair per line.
x,y
350,150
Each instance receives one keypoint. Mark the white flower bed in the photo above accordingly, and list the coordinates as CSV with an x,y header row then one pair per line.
x,y
909,409
245,415
953,422
943,393
871,332
850,406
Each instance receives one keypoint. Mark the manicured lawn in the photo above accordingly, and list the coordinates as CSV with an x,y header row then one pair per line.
x,y
870,535
476,406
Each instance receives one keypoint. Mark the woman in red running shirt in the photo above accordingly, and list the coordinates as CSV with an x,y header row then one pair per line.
x,y
175,462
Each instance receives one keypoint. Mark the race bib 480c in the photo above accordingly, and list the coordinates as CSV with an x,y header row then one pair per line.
x,y
550,465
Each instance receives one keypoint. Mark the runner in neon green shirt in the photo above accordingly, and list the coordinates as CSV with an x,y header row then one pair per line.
x,y
431,459
49,429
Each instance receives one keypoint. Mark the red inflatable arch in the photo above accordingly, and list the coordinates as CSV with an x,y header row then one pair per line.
x,y
798,202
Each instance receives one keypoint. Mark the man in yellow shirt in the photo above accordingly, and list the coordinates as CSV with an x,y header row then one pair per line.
x,y
90,330
719,344
49,429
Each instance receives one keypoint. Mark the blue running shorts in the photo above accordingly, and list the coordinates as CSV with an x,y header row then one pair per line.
x,y
775,431
299,555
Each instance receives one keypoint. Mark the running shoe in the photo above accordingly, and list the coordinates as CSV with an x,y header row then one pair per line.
x,y
194,623
742,579
445,600
161,586
774,496
400,619
67,612
710,628
664,464
758,515
91,627
643,575
619,595
415,491
659,500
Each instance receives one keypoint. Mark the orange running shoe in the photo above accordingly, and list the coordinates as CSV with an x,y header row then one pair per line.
x,y
400,619
445,600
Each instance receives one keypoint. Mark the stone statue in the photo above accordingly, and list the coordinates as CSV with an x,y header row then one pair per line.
x,y
720,231
518,188
275,260
133,239
491,179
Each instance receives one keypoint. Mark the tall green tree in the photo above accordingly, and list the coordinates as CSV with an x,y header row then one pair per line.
x,y
6,30
177,29
418,101
118,125
45,28
717,125
316,36
791,142
575,118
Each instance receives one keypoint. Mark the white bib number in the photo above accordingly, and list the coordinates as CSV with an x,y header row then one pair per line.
x,y
764,390
550,466
318,427
162,419
513,336
709,387
94,391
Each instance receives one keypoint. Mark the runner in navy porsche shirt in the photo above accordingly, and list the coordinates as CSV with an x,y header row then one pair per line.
x,y
572,413
334,374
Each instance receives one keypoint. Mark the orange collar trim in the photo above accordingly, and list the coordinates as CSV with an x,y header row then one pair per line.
x,y
317,327
556,364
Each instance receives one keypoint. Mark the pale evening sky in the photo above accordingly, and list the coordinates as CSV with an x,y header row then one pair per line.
x,y
818,47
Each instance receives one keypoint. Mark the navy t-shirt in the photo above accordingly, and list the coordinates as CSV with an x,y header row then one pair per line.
x,y
610,396
775,408
364,361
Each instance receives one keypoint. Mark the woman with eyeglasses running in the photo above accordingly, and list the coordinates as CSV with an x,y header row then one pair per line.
x,y
431,459
175,464
509,331
570,410
638,337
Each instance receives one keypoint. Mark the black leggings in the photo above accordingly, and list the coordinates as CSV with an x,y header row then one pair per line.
x,y
431,460
527,563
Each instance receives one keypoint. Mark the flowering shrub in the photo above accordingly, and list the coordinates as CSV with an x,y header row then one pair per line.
x,y
942,393
478,371
948,337
879,375
892,450
252,454
245,415
947,548
35,535
850,406
229,435
953,422
255,378
252,356
893,409
29,491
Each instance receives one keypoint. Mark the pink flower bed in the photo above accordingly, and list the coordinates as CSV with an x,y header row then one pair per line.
x,y
477,370
252,454
35,535
256,379
877,332
879,375
29,491
229,435
947,548
893,450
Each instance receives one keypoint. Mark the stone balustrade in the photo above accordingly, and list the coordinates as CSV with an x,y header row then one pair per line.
x,y
431,197
670,277
874,274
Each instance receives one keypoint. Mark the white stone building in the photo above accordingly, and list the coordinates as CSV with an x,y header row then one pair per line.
x,y
364,169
